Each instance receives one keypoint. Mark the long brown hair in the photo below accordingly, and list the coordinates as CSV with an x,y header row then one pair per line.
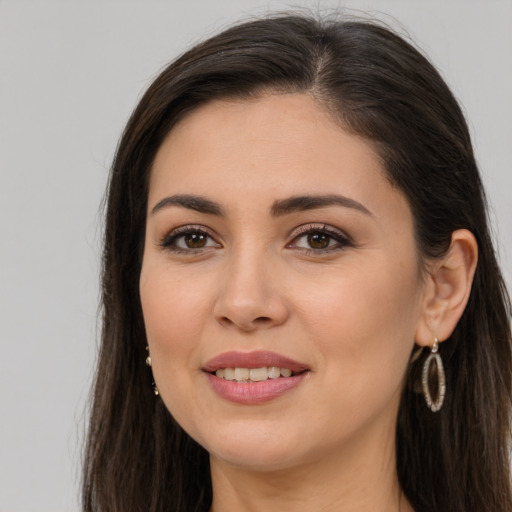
x,y
376,85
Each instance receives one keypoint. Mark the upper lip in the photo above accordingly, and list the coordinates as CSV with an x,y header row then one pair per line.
x,y
256,359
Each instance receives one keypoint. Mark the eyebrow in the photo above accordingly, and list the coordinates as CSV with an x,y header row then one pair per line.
x,y
198,203
310,202
279,208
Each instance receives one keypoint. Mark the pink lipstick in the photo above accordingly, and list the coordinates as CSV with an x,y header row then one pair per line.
x,y
253,377
252,360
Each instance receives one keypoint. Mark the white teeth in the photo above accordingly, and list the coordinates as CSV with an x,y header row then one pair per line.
x,y
274,372
257,374
241,373
253,374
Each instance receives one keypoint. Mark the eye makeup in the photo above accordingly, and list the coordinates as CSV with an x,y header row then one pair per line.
x,y
189,239
310,239
317,238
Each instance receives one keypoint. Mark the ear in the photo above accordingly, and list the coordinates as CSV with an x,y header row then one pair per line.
x,y
447,289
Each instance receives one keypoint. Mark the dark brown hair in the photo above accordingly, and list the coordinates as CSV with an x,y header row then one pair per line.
x,y
380,87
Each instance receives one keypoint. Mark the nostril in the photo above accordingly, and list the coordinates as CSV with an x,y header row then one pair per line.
x,y
226,320
247,324
262,319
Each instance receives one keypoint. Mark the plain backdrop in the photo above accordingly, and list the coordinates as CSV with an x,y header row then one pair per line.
x,y
70,74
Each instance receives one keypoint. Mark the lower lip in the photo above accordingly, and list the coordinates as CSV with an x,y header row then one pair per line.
x,y
253,393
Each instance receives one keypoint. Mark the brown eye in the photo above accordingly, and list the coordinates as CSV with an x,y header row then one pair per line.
x,y
188,239
195,240
318,240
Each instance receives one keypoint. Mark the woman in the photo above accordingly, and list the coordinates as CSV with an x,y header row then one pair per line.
x,y
297,246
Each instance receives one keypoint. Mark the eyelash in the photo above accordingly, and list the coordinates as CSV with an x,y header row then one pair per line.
x,y
169,242
341,240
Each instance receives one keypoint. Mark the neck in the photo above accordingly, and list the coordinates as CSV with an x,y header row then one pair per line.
x,y
360,478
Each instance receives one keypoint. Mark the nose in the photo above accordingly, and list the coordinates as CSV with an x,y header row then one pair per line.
x,y
251,294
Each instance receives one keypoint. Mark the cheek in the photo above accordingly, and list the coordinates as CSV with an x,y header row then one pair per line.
x,y
364,323
173,309
174,314
366,296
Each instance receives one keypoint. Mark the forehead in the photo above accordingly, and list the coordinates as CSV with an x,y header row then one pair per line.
x,y
247,156
277,137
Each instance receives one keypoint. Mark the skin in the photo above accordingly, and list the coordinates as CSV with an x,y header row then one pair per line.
x,y
352,313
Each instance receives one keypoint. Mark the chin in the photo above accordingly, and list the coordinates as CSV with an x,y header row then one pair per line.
x,y
252,447
255,458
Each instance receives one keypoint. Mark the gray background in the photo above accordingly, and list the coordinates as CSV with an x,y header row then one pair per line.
x,y
70,74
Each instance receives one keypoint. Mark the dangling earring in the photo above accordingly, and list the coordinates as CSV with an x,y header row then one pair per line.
x,y
153,385
434,356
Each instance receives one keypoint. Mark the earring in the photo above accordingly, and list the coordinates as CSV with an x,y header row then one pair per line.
x,y
153,385
434,357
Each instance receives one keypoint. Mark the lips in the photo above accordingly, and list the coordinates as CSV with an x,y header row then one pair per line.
x,y
238,376
250,360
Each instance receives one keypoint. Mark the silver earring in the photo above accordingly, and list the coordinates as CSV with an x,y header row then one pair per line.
x,y
434,356
153,385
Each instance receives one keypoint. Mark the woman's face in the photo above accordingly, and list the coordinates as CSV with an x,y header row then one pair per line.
x,y
276,244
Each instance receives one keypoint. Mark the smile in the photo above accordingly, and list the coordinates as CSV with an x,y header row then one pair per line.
x,y
252,378
253,374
